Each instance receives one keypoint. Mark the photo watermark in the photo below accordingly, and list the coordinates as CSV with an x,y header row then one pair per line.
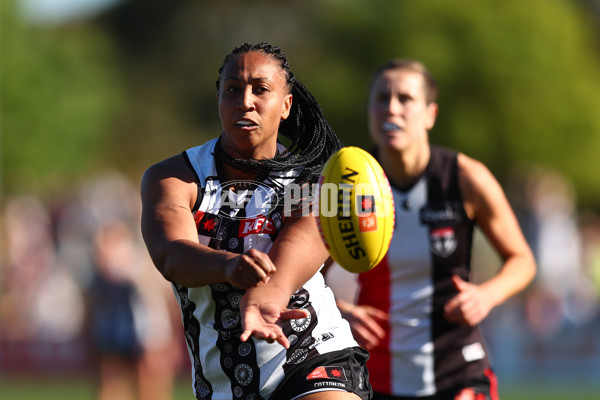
x,y
327,200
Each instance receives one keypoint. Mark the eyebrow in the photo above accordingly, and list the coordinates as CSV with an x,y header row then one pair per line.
x,y
253,80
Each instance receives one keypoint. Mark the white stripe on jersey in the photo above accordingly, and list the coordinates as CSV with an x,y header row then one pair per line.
x,y
411,293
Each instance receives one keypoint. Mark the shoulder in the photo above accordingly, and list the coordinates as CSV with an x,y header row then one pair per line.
x,y
172,178
477,184
442,160
173,167
472,171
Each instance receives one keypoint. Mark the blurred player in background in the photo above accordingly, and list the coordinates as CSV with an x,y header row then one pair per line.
x,y
130,320
416,311
240,268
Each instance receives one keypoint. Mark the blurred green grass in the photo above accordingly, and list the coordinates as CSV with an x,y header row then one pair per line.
x,y
61,388
32,388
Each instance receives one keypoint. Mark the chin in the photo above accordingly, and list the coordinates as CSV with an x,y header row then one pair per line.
x,y
394,143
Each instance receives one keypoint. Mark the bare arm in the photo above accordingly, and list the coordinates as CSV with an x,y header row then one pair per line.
x,y
486,203
168,195
298,254
366,322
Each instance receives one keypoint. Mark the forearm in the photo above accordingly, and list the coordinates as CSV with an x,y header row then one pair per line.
x,y
266,293
191,264
514,276
298,253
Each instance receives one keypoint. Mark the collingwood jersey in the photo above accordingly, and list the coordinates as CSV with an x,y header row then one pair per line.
x,y
237,220
423,353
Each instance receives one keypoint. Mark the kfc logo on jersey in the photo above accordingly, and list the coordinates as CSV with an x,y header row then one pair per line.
x,y
260,224
443,241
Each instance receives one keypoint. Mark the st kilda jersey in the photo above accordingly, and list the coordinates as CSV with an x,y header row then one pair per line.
x,y
237,220
423,352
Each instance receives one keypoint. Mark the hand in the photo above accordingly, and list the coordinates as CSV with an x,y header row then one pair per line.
x,y
263,322
366,323
470,306
249,269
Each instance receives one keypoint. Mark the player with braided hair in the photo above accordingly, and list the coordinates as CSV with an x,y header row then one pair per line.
x,y
259,321
313,140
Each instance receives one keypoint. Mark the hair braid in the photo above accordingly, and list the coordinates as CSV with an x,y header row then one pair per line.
x,y
313,140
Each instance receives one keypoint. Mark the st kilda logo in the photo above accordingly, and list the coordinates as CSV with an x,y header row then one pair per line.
x,y
443,241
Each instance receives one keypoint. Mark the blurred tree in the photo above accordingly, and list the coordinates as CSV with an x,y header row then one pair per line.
x,y
519,80
59,93
170,54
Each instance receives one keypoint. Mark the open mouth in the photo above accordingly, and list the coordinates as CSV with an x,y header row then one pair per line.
x,y
245,123
390,126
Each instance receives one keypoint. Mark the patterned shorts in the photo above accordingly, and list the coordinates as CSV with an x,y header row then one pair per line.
x,y
342,370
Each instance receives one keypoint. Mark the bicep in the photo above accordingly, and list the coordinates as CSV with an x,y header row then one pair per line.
x,y
167,196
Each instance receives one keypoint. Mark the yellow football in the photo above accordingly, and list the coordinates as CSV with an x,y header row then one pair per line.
x,y
356,209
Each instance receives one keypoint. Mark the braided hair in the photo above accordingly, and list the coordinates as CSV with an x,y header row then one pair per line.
x,y
313,141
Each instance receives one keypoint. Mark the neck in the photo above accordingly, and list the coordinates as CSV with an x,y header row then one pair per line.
x,y
233,173
404,167
229,170
247,149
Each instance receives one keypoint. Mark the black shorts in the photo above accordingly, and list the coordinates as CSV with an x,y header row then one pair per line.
x,y
482,388
342,370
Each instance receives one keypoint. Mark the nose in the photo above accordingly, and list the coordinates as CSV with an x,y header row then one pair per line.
x,y
246,101
394,106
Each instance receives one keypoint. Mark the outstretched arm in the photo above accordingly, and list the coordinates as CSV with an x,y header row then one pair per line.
x,y
486,203
298,252
168,195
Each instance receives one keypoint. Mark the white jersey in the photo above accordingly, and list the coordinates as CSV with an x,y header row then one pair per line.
x,y
237,220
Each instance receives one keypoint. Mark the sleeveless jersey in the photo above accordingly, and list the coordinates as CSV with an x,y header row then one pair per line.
x,y
223,367
423,353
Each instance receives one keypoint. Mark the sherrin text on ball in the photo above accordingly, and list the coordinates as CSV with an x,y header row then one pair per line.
x,y
356,209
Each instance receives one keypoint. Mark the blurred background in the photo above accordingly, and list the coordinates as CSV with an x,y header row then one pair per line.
x,y
95,91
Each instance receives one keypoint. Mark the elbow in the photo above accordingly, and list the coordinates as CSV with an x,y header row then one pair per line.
x,y
530,267
160,260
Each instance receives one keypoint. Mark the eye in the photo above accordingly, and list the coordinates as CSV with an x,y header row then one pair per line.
x,y
261,89
382,98
404,98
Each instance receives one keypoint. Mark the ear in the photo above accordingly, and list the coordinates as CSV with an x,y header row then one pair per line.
x,y
287,106
432,112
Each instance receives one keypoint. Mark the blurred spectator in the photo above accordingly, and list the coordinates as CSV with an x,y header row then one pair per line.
x,y
86,245
136,316
112,302
562,291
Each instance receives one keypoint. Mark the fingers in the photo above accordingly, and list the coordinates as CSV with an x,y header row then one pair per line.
x,y
294,314
364,337
245,335
250,269
263,322
458,283
262,262
271,335
467,307
377,314
366,323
